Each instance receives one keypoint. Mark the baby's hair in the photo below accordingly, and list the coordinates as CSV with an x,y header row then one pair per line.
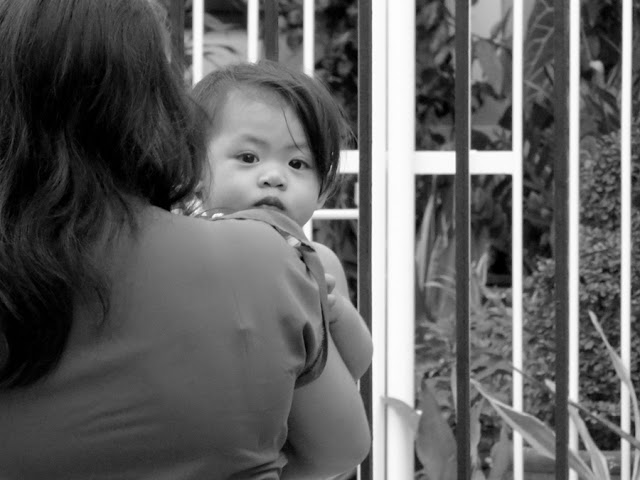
x,y
322,118
94,121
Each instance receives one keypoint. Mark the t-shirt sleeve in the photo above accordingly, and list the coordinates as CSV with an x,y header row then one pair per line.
x,y
277,299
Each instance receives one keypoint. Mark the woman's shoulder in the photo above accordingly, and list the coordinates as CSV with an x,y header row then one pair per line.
x,y
201,237
247,265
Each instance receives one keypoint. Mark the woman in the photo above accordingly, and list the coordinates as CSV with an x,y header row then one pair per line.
x,y
129,347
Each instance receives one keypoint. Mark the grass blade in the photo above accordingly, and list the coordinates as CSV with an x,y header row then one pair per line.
x,y
535,432
598,460
625,376
435,443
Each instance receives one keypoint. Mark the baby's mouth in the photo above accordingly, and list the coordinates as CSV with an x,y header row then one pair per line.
x,y
271,202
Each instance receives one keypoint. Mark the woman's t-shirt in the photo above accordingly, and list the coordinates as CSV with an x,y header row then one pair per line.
x,y
211,326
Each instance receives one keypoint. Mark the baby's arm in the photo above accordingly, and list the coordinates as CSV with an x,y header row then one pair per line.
x,y
348,330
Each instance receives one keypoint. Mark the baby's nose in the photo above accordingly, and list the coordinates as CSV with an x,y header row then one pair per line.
x,y
273,178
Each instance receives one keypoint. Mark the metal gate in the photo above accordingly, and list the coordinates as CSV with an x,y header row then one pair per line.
x,y
387,205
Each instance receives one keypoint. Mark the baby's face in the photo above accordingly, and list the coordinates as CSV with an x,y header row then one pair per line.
x,y
260,158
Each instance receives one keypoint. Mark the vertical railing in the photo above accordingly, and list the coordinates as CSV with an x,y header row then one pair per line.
x,y
462,225
625,229
379,241
271,30
197,61
516,227
573,241
562,229
308,36
308,67
365,149
253,16
400,233
386,290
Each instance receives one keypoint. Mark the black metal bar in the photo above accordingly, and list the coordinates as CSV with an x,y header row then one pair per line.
x,y
364,198
462,214
271,30
562,35
176,20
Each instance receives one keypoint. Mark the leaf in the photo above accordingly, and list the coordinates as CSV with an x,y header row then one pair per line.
x,y
476,474
491,65
500,456
421,312
435,442
635,443
502,366
624,375
422,243
475,433
539,52
535,432
406,412
598,460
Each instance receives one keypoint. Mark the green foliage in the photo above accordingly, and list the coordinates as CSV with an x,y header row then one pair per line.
x,y
435,354
600,207
490,98
599,291
542,438
336,46
435,80
337,53
600,57
438,459
535,432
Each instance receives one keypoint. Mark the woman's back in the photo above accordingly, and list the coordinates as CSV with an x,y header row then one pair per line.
x,y
180,349
183,381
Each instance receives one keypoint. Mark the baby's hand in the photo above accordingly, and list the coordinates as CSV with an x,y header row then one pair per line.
x,y
331,297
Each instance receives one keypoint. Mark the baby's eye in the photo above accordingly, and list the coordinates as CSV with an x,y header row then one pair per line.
x,y
298,164
247,158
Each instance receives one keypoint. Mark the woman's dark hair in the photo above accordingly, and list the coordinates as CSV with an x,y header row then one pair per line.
x,y
94,120
321,117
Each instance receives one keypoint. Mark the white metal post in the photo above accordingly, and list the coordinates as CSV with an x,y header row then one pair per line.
x,y
625,228
516,227
400,233
253,11
198,40
379,241
574,214
308,37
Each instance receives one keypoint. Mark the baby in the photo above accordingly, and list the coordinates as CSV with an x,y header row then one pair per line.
x,y
274,143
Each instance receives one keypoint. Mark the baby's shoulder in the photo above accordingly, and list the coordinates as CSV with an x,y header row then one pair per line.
x,y
324,251
328,257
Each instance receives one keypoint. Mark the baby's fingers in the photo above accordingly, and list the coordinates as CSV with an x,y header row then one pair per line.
x,y
331,282
331,298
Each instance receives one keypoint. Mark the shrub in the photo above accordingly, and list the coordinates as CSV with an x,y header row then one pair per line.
x,y
599,292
